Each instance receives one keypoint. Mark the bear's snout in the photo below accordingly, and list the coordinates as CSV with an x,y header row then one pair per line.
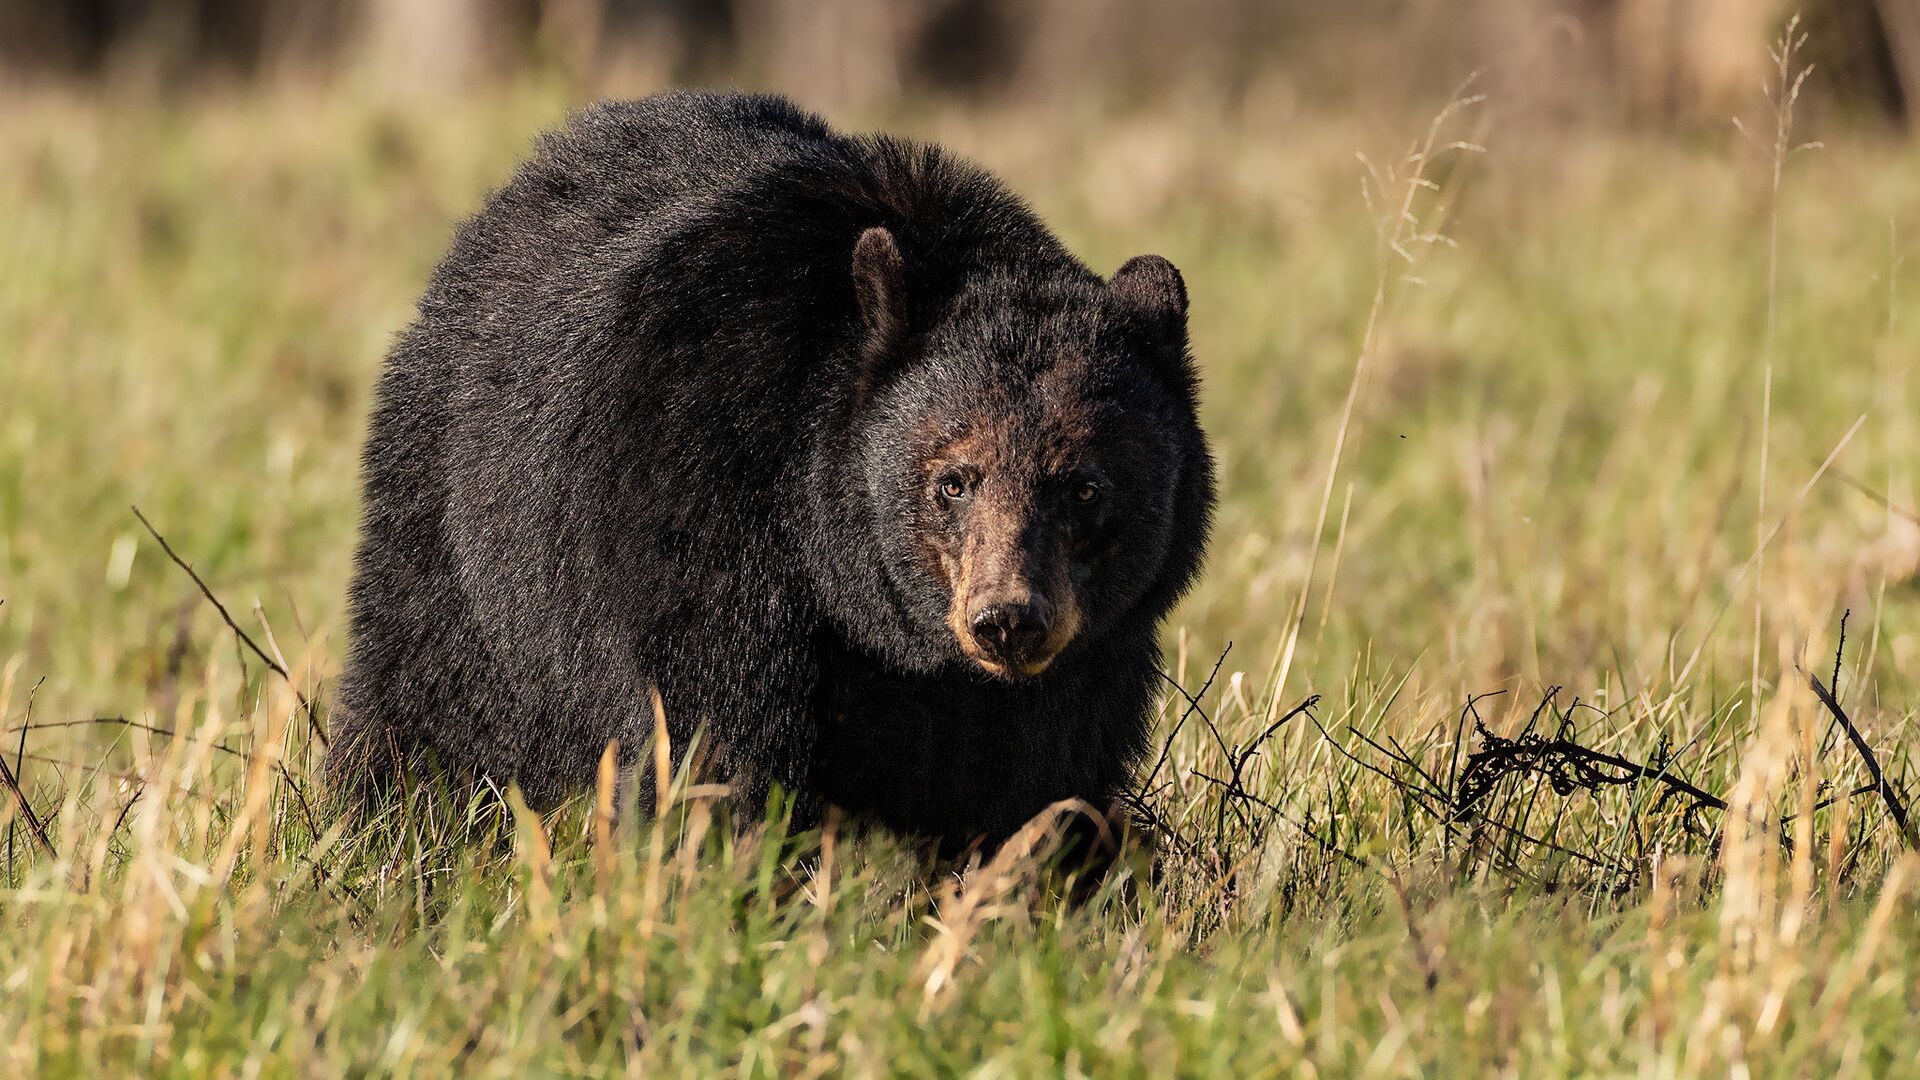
x,y
1014,632
1011,631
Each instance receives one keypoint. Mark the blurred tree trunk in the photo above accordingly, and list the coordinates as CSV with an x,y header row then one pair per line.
x,y
1901,21
438,44
827,53
36,38
1691,60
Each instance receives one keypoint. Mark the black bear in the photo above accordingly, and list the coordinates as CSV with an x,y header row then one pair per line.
x,y
826,438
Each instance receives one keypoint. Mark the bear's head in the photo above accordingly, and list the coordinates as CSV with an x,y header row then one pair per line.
x,y
1030,457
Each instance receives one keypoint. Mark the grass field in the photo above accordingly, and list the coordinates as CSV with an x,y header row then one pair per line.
x,y
1638,430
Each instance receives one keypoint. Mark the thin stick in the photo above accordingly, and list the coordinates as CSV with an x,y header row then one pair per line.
x,y
1193,705
20,759
1839,651
34,825
313,722
1895,806
12,785
26,722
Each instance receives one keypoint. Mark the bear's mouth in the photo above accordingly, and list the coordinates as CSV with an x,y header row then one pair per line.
x,y
1011,672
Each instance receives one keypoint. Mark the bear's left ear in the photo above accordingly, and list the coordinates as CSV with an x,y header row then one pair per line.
x,y
1152,288
879,283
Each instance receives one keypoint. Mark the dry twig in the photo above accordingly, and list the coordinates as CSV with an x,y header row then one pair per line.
x,y
306,705
34,825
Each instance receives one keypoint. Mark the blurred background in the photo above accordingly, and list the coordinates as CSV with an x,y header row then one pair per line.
x,y
1667,62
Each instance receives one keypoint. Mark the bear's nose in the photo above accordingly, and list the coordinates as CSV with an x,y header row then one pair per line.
x,y
1010,631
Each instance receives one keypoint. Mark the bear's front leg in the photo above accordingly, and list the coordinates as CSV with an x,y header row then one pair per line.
x,y
747,725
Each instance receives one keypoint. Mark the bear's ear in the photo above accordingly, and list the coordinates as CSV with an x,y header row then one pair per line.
x,y
1153,289
880,284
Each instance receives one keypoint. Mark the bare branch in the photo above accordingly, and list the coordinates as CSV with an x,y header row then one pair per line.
x,y
12,782
306,706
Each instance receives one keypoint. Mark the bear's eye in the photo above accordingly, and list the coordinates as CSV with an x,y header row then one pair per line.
x,y
1085,492
953,487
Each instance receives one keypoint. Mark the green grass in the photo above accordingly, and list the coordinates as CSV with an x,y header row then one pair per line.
x,y
1552,478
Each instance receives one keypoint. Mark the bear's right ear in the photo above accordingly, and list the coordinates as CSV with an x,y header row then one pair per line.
x,y
1153,288
879,282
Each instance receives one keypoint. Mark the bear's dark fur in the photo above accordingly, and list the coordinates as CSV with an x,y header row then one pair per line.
x,y
828,438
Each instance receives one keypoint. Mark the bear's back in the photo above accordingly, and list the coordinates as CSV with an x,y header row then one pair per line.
x,y
744,192
620,163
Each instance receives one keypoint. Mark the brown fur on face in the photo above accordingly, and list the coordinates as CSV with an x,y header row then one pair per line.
x,y
1007,548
